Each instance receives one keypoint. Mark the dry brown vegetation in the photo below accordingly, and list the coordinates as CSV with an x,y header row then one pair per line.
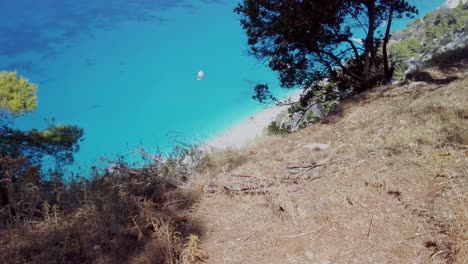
x,y
133,216
384,182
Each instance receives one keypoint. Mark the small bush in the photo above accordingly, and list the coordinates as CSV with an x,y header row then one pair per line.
x,y
274,128
220,161
452,58
122,215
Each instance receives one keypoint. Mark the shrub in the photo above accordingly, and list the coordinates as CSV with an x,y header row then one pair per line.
x,y
456,57
274,128
220,161
119,215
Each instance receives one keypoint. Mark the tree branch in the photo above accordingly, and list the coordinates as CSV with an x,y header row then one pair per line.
x,y
351,43
338,62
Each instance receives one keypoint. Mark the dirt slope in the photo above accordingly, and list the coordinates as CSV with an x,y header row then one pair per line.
x,y
388,183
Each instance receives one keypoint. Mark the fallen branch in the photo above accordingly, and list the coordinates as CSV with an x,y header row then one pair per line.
x,y
315,178
373,213
241,175
245,239
370,224
247,190
306,167
420,235
324,162
438,253
328,159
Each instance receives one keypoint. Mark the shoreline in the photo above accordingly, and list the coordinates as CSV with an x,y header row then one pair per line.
x,y
249,129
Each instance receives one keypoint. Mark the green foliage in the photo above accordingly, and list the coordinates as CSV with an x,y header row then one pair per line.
x,y
326,96
328,106
427,35
290,37
57,141
402,51
65,136
263,95
456,57
305,46
406,48
17,94
309,118
275,128
413,25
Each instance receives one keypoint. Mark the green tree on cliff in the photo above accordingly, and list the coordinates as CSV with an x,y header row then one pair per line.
x,y
305,41
24,188
17,94
17,97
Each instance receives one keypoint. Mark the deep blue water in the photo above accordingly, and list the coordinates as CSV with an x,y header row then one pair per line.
x,y
125,71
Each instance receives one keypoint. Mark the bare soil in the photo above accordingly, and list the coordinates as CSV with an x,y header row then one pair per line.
x,y
388,183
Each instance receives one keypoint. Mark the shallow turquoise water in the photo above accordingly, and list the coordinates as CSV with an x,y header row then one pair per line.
x,y
126,71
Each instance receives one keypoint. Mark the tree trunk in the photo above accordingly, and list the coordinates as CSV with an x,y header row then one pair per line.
x,y
369,44
388,72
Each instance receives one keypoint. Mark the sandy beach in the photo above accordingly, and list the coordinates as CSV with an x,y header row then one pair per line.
x,y
249,129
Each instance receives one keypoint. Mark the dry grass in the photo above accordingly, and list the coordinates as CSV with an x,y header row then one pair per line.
x,y
385,181
134,216
220,161
391,187
127,216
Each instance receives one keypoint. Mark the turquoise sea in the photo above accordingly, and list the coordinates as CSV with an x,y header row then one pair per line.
x,y
126,71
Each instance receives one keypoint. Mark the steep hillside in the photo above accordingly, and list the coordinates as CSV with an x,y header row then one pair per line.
x,y
383,182
442,30
452,3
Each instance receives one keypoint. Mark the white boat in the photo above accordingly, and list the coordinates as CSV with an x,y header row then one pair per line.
x,y
200,75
